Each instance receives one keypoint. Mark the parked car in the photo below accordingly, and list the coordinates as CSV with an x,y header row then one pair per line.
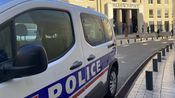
x,y
51,49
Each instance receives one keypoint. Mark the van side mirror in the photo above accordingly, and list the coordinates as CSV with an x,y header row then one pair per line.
x,y
30,60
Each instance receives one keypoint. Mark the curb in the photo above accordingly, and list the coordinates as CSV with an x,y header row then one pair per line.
x,y
123,91
127,41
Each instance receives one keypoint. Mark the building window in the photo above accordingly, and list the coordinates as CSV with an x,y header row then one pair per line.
x,y
158,13
166,1
151,14
158,1
124,0
150,1
166,13
133,0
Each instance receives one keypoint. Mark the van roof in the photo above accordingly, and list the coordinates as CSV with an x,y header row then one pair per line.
x,y
86,10
7,4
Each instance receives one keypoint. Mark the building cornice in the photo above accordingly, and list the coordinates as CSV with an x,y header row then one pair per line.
x,y
125,5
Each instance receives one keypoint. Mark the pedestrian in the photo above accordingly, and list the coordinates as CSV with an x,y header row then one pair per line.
x,y
125,30
136,29
158,32
148,29
172,32
142,28
137,33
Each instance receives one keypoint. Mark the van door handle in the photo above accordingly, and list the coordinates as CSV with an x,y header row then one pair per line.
x,y
76,64
111,45
91,57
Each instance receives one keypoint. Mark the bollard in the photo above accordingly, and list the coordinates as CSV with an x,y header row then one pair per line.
x,y
163,52
167,48
159,58
128,41
149,80
162,37
152,38
155,65
171,46
121,42
140,39
134,40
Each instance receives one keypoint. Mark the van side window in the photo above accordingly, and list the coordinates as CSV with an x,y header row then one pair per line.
x,y
107,29
93,29
51,28
5,43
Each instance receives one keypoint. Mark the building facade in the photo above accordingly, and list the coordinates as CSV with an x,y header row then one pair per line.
x,y
133,16
158,15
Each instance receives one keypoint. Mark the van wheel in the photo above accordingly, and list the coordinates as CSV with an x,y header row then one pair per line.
x,y
112,83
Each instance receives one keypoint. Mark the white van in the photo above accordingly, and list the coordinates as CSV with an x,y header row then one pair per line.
x,y
51,49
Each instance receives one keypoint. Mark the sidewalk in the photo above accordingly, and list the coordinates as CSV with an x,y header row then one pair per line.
x,y
163,80
142,35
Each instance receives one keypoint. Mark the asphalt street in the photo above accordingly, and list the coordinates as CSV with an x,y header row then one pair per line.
x,y
132,56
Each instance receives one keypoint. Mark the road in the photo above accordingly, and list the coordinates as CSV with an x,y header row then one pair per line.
x,y
133,55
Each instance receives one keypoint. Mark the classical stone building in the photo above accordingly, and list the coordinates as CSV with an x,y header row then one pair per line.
x,y
158,14
132,16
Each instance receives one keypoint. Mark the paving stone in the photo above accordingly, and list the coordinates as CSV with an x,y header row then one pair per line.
x,y
163,81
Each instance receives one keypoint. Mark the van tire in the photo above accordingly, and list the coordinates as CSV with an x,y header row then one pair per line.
x,y
112,83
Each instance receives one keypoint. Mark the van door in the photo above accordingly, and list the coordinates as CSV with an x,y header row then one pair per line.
x,y
53,29
95,51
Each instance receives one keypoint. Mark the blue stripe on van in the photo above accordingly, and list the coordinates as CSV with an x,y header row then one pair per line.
x,y
44,92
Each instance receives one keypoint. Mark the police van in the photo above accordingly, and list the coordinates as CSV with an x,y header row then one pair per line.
x,y
52,49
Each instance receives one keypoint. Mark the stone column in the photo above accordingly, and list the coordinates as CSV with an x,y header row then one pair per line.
x,y
140,18
109,10
128,22
119,21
